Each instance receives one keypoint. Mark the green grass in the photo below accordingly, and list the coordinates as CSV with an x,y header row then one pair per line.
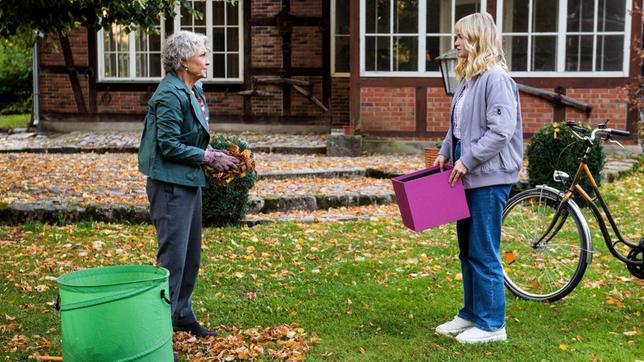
x,y
371,290
14,120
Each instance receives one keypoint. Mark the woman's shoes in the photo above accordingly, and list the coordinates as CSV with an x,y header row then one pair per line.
x,y
476,335
195,329
467,333
455,326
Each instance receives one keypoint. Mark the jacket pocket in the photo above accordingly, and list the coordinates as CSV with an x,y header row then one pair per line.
x,y
508,163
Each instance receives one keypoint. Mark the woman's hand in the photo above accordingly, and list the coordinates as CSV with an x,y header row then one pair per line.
x,y
219,160
458,171
440,161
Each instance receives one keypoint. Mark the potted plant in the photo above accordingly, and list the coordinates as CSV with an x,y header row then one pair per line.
x,y
431,153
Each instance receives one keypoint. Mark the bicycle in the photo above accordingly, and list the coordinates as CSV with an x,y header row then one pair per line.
x,y
546,242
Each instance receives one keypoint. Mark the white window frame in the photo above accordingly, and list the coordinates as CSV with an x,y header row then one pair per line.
x,y
561,44
209,34
422,37
333,35
131,59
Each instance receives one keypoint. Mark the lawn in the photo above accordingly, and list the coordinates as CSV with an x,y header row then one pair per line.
x,y
367,291
14,120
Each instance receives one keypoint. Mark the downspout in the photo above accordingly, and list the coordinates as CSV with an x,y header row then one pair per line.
x,y
35,80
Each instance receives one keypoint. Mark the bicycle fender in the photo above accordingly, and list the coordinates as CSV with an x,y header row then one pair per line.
x,y
582,218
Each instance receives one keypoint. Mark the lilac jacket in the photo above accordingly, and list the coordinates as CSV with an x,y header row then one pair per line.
x,y
491,131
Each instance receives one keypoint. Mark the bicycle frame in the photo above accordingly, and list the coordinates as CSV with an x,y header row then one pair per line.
x,y
575,189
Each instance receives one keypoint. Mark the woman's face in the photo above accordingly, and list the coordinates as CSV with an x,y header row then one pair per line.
x,y
460,46
198,64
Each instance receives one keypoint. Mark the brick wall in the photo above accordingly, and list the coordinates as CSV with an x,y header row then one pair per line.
x,y
535,112
266,46
262,8
608,103
384,109
56,93
438,107
306,47
340,99
392,109
306,7
52,54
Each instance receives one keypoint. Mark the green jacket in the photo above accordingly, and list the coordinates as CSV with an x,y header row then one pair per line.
x,y
175,134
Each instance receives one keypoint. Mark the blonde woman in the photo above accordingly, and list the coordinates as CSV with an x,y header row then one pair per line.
x,y
485,144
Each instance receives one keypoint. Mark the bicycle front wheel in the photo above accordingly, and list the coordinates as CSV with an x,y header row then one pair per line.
x,y
537,268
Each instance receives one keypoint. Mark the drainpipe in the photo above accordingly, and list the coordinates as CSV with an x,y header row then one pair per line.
x,y
35,78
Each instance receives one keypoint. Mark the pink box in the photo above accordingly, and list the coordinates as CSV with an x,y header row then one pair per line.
x,y
426,199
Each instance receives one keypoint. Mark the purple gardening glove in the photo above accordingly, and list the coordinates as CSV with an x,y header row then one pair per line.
x,y
219,160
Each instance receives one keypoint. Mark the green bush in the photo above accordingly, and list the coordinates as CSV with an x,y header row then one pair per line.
x,y
224,205
15,78
554,147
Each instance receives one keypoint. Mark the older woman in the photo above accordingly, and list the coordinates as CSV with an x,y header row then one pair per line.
x,y
174,145
485,142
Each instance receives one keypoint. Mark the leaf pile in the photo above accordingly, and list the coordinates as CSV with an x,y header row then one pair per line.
x,y
286,342
246,164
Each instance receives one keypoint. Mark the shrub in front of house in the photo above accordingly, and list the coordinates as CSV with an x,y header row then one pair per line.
x,y
554,147
227,204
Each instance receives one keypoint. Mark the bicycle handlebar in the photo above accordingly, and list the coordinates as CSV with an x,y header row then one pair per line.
x,y
578,131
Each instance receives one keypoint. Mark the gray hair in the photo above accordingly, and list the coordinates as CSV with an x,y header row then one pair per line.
x,y
181,46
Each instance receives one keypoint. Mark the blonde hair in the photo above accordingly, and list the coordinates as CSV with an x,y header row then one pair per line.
x,y
482,43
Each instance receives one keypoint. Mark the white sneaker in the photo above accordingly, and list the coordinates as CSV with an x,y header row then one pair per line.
x,y
455,326
476,335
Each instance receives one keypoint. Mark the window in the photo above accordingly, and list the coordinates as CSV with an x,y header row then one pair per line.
x,y
403,37
581,37
130,56
221,23
340,37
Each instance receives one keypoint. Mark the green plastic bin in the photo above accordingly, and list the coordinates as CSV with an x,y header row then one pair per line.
x,y
118,313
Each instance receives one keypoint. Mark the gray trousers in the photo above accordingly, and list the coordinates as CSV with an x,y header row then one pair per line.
x,y
176,214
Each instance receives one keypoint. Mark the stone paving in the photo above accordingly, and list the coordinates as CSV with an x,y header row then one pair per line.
x,y
304,187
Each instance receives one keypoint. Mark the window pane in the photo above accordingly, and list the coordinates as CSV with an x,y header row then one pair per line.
x,y
342,17
233,65
611,15
218,65
155,65
377,53
155,42
377,16
110,65
141,65
123,40
342,54
232,14
515,16
109,44
580,15
405,53
405,16
579,53
466,7
436,46
200,6
544,17
218,44
516,52
123,70
233,39
544,53
610,53
439,16
186,19
141,43
218,13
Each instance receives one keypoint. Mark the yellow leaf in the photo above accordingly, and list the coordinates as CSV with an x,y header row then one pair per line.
x,y
563,347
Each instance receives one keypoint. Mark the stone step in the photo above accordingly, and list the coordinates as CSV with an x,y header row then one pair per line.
x,y
134,149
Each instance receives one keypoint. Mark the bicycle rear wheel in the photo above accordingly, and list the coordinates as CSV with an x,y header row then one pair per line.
x,y
551,269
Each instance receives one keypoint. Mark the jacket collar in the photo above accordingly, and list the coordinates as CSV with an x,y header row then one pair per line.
x,y
174,80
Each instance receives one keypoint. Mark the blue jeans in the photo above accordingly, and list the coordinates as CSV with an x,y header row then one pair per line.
x,y
479,240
